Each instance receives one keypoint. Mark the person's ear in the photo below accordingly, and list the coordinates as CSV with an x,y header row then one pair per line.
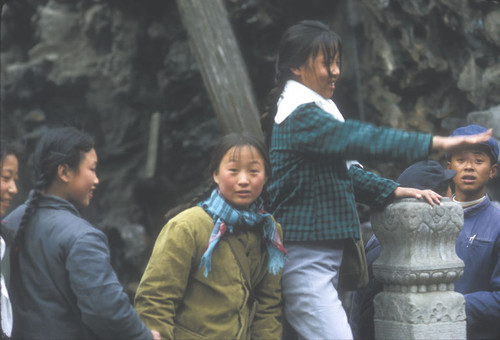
x,y
448,165
297,71
64,172
215,176
494,169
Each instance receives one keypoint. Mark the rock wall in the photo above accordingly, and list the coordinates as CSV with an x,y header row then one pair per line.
x,y
106,66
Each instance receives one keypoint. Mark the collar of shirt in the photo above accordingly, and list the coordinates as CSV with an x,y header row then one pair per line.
x,y
468,203
295,94
477,208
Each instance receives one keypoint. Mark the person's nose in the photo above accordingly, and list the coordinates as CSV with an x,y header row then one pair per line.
x,y
13,188
334,70
243,178
469,165
96,180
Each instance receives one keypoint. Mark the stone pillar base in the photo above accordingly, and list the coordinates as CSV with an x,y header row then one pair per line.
x,y
431,315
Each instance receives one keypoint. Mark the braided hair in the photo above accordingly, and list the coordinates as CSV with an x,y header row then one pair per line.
x,y
297,44
227,142
58,146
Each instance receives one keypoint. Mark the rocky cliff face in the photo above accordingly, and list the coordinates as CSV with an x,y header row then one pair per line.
x,y
106,66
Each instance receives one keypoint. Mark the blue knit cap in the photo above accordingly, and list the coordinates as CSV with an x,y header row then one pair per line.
x,y
491,144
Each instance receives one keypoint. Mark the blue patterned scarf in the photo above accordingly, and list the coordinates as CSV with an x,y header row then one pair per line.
x,y
226,218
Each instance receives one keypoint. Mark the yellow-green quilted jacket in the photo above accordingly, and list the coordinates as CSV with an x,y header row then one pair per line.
x,y
175,298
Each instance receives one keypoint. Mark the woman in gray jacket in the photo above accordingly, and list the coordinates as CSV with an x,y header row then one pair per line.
x,y
62,282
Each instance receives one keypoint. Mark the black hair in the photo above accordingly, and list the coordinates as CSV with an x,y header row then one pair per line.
x,y
297,44
442,188
10,148
225,143
58,146
237,140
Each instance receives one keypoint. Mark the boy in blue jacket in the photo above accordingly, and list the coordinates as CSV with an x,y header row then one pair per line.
x,y
478,244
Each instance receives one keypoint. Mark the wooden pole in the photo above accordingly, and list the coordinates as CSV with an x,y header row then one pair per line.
x,y
223,70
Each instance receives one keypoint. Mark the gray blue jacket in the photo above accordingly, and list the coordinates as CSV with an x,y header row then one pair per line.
x,y
478,245
64,286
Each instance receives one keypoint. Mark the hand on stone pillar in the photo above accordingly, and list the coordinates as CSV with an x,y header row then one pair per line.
x,y
430,196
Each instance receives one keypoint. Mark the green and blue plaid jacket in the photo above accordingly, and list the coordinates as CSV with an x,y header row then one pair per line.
x,y
312,192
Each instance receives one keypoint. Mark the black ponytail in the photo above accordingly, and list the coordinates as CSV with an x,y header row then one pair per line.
x,y
297,44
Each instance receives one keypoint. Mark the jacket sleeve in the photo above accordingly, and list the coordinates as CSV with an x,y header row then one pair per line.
x,y
267,320
157,297
483,307
369,188
314,131
105,307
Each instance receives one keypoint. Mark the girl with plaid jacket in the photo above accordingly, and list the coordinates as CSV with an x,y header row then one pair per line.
x,y
314,185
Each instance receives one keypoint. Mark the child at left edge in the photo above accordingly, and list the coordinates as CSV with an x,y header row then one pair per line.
x,y
9,166
195,285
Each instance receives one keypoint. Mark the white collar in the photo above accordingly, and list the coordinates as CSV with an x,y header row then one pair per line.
x,y
295,94
469,203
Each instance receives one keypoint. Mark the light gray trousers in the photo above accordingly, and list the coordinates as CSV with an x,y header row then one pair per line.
x,y
309,281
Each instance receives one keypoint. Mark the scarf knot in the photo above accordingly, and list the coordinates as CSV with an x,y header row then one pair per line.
x,y
226,218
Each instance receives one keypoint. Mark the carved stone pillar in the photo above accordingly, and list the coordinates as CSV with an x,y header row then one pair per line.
x,y
418,266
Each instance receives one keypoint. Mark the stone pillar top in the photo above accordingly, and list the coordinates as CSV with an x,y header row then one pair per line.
x,y
418,245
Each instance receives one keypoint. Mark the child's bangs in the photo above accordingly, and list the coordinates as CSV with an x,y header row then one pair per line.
x,y
330,45
236,151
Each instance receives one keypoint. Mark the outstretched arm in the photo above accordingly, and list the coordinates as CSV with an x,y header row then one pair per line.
x,y
372,189
450,143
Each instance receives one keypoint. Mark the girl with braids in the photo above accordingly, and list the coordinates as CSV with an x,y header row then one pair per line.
x,y
314,184
215,269
62,282
9,165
